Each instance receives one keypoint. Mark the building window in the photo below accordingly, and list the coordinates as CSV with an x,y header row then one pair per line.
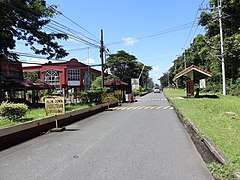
x,y
52,77
87,80
73,74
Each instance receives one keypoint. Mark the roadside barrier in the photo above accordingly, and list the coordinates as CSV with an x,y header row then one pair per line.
x,y
13,135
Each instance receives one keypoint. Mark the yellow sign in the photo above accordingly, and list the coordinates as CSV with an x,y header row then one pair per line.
x,y
54,106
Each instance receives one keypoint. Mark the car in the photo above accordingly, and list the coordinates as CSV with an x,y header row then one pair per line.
x,y
156,90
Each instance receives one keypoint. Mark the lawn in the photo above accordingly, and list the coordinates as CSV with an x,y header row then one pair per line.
x,y
216,118
34,114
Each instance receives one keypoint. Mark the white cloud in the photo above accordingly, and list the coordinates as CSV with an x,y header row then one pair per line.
x,y
155,75
129,41
31,62
89,61
155,68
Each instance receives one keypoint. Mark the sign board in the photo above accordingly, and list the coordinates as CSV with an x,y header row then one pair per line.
x,y
135,84
202,83
54,106
73,83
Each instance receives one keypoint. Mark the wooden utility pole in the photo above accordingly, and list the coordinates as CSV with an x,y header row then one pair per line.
x,y
102,58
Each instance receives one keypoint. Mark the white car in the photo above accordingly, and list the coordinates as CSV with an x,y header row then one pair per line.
x,y
156,90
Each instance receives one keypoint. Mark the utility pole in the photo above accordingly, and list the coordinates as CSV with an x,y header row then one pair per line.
x,y
222,46
222,43
102,58
184,58
185,63
141,72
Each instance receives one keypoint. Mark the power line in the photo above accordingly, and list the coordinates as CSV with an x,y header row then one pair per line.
x,y
36,63
202,2
71,30
59,25
193,35
78,25
191,29
170,30
195,18
41,57
72,36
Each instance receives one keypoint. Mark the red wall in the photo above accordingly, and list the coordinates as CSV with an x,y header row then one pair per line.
x,y
10,69
62,67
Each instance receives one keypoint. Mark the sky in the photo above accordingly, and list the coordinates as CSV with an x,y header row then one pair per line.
x,y
156,32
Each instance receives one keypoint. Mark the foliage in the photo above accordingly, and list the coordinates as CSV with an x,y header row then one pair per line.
x,y
24,20
5,122
73,107
34,114
218,119
109,98
32,76
204,51
97,83
219,171
126,67
13,111
140,92
93,96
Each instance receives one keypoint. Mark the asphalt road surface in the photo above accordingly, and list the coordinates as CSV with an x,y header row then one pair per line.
x,y
143,140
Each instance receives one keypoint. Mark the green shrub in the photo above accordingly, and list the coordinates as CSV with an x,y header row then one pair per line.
x,y
109,98
13,111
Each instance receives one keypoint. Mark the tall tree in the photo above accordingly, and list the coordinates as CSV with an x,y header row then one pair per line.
x,y
126,66
24,20
205,49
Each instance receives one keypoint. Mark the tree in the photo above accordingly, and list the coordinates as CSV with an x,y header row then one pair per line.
x,y
32,76
24,20
126,66
205,49
164,80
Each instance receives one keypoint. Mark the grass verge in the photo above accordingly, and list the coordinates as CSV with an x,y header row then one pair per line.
x,y
34,114
217,118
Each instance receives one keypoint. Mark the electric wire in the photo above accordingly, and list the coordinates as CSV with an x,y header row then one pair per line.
x,y
54,29
71,30
191,29
194,33
198,25
170,30
72,36
78,25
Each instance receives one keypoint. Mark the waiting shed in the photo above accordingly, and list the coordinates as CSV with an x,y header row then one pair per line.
x,y
191,74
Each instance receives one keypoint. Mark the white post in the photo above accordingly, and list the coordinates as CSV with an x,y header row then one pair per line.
x,y
222,46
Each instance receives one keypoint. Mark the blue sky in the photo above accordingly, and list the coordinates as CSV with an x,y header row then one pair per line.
x,y
154,31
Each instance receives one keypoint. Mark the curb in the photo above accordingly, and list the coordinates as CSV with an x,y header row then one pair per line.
x,y
205,147
237,175
16,134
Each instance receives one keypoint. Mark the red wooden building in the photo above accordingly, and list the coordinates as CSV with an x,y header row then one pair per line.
x,y
69,76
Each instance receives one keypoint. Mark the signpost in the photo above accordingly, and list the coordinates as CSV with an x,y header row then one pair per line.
x,y
135,84
202,83
55,106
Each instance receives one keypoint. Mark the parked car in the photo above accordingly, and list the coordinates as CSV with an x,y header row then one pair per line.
x,y
156,90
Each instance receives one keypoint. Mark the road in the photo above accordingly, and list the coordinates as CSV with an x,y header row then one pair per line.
x,y
142,140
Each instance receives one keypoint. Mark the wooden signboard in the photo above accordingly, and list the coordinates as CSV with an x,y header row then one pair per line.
x,y
54,106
